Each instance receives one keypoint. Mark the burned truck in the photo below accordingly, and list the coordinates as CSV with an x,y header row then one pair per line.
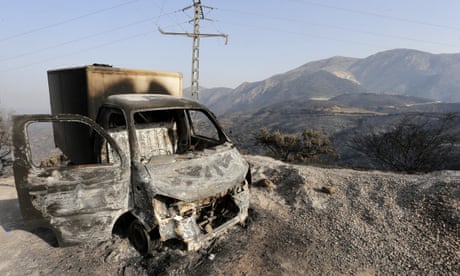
x,y
123,153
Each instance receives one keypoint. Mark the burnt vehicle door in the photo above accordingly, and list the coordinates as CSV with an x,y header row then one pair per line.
x,y
78,194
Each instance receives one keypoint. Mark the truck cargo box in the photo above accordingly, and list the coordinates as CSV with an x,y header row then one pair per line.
x,y
83,90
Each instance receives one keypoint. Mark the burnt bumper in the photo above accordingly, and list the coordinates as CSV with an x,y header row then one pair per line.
x,y
198,223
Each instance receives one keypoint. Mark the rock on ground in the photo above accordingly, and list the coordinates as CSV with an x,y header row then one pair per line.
x,y
303,221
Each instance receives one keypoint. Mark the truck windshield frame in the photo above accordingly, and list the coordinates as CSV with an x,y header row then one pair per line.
x,y
175,131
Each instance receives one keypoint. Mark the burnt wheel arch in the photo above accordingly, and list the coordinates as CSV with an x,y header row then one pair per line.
x,y
122,224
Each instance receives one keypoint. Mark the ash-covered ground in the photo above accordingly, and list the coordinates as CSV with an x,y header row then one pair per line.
x,y
303,221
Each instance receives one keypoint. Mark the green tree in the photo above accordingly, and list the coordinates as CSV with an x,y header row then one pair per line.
x,y
306,146
415,144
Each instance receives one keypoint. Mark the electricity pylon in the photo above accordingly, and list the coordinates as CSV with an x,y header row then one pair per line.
x,y
196,35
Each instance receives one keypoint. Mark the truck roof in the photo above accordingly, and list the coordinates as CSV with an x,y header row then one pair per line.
x,y
133,102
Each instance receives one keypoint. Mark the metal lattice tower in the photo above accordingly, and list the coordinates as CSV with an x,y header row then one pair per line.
x,y
196,35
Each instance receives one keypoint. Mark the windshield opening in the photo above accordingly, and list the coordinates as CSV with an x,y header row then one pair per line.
x,y
178,131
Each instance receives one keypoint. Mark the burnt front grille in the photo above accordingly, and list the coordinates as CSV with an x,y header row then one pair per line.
x,y
219,211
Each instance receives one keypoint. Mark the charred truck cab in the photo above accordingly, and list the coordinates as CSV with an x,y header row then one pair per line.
x,y
148,166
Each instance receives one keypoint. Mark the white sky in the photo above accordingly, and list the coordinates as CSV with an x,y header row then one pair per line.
x,y
266,37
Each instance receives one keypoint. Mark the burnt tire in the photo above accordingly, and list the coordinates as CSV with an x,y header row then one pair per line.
x,y
139,238
155,241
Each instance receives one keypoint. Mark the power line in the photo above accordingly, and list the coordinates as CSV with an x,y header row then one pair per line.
x,y
401,19
80,51
198,15
162,6
78,39
293,20
65,21
310,35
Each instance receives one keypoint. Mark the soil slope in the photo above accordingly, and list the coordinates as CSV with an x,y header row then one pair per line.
x,y
303,221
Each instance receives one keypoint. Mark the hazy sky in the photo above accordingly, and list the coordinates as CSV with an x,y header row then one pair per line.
x,y
265,37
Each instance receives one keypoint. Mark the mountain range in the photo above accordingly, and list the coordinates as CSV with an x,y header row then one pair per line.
x,y
435,77
341,96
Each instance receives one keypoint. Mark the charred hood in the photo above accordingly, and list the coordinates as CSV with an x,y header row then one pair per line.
x,y
199,178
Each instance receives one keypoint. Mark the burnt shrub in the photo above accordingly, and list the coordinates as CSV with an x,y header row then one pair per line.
x,y
417,143
306,146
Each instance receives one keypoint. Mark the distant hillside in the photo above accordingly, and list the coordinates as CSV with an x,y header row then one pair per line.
x,y
380,102
279,88
341,117
341,96
395,72
410,72
332,116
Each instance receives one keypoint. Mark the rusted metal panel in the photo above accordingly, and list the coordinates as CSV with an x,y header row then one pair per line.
x,y
79,202
83,90
136,102
205,174
195,223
